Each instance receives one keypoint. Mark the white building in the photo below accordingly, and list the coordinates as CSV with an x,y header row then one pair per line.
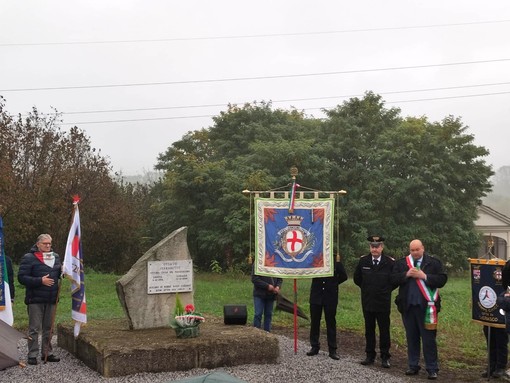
x,y
495,228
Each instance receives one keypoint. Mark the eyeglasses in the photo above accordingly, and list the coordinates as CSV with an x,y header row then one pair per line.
x,y
46,243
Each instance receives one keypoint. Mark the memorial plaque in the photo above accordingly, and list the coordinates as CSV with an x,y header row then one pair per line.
x,y
169,276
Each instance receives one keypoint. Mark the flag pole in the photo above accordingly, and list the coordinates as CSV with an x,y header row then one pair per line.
x,y
54,313
295,318
294,173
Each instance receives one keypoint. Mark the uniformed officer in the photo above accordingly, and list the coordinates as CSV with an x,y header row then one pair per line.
x,y
372,275
324,296
497,343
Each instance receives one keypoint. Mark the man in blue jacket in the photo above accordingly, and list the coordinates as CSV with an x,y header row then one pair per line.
x,y
265,290
39,271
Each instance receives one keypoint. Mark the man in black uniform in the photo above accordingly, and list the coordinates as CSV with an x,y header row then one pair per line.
x,y
324,295
372,275
498,342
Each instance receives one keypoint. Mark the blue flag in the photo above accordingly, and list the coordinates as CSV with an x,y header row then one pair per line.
x,y
294,244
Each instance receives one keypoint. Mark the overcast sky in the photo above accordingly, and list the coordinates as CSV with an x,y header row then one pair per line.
x,y
150,71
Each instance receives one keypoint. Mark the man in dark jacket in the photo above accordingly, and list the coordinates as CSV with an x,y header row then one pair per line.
x,y
39,271
324,296
497,338
265,290
372,275
419,277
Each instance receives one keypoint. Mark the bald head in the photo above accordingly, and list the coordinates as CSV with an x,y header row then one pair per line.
x,y
416,249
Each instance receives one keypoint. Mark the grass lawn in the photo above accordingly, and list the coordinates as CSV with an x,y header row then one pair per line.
x,y
461,342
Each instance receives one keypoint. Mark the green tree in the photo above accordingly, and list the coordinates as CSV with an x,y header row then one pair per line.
x,y
41,168
206,172
406,177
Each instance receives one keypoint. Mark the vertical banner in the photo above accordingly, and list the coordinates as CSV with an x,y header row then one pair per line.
x,y
486,285
6,313
72,268
297,244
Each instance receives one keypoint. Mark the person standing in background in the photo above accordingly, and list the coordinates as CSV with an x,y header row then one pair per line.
x,y
372,275
497,345
419,277
265,290
324,296
39,271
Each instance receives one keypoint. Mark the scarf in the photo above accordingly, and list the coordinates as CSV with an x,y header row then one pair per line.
x,y
430,296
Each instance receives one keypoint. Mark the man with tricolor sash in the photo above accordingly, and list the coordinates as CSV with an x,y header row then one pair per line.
x,y
419,277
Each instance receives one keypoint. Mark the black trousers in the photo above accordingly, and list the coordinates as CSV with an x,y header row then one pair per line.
x,y
497,347
383,322
315,325
417,335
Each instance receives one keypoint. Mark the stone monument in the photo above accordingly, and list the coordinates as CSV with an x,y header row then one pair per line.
x,y
145,342
147,291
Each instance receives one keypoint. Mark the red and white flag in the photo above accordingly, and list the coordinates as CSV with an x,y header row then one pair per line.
x,y
73,270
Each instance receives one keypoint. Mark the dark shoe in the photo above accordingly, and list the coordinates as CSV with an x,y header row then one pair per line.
x,y
432,375
313,351
385,363
367,362
52,358
334,356
32,361
413,371
500,372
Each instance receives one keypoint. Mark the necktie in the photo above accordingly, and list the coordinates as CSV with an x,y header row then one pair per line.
x,y
376,261
418,263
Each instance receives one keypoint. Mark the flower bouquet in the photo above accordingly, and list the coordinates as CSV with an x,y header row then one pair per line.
x,y
186,321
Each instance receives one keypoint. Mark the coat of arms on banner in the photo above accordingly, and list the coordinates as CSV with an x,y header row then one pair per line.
x,y
294,244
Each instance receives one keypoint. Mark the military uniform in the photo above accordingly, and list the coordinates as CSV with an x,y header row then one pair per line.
x,y
374,280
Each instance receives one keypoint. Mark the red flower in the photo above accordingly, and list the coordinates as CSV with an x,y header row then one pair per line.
x,y
189,308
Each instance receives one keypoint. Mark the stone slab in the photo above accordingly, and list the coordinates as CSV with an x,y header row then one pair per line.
x,y
111,348
143,310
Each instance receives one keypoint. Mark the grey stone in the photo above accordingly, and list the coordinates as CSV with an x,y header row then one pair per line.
x,y
143,310
109,348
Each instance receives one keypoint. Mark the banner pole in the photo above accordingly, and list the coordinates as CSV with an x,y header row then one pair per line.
x,y
295,317
488,352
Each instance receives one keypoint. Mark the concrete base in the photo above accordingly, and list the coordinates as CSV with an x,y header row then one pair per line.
x,y
110,348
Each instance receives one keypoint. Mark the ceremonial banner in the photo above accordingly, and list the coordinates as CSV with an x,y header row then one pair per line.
x,y
73,269
297,244
486,286
6,313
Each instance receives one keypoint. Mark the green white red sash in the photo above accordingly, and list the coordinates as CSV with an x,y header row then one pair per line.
x,y
430,295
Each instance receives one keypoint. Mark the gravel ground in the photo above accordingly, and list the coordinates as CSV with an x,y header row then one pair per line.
x,y
293,367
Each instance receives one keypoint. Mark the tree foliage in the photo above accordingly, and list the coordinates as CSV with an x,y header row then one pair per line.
x,y
41,168
406,178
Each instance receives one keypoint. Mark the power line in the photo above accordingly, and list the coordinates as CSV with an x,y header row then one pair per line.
x,y
135,120
318,108
255,77
291,34
280,101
